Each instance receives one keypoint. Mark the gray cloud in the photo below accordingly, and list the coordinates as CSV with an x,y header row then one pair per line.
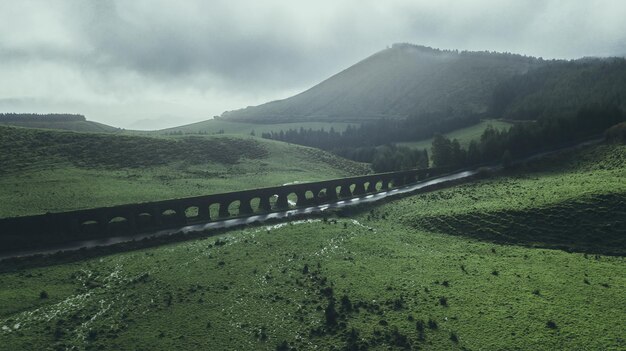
x,y
121,62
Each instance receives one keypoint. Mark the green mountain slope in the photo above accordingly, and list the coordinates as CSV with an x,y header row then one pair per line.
x,y
395,83
561,89
50,171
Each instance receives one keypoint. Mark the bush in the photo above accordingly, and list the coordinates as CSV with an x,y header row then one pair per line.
x,y
454,337
43,295
443,301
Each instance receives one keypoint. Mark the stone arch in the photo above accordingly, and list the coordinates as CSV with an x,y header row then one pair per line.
x,y
324,194
255,204
370,186
145,219
214,210
90,227
265,203
192,212
309,195
345,190
280,201
118,224
228,207
359,188
168,213
292,199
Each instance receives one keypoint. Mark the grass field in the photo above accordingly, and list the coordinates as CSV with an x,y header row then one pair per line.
x,y
387,277
463,135
213,126
48,171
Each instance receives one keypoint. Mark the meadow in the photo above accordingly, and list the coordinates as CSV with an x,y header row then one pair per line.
x,y
372,278
463,135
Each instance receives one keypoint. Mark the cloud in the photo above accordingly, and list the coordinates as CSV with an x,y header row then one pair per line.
x,y
126,61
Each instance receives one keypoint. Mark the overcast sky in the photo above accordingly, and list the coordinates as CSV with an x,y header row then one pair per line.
x,y
150,64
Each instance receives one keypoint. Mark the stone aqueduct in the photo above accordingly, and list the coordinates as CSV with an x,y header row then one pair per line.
x,y
40,230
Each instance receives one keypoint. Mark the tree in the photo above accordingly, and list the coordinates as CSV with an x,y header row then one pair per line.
x,y
441,151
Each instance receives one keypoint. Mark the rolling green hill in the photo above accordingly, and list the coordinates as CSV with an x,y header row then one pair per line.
x,y
77,126
47,171
401,81
389,276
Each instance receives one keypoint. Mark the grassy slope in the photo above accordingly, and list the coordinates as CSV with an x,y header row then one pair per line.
x,y
395,83
77,126
56,171
463,135
257,287
213,126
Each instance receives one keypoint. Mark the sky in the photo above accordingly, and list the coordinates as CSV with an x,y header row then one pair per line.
x,y
151,64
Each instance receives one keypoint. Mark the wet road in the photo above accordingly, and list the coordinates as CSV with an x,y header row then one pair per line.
x,y
228,223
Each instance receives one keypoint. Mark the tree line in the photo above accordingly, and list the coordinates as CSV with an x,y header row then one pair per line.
x,y
44,117
373,142
524,139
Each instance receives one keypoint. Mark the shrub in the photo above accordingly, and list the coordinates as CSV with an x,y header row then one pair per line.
x,y
551,325
331,313
454,337
43,295
443,301
283,346
432,324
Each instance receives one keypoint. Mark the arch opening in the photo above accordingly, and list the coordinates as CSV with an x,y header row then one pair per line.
x,y
192,212
144,219
118,224
214,210
255,205
234,208
292,199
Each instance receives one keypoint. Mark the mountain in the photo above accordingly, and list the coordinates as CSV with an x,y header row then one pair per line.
x,y
398,82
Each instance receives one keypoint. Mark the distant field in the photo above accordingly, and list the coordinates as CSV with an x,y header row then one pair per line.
x,y
464,135
383,278
214,126
49,171
77,126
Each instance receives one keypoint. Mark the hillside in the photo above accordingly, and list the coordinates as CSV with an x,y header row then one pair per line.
x,y
73,122
76,126
398,82
560,89
389,276
48,171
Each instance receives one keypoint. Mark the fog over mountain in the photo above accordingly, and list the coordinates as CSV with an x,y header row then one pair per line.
x,y
152,64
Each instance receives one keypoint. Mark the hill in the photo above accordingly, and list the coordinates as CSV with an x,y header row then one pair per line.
x,y
48,171
398,82
77,123
389,276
